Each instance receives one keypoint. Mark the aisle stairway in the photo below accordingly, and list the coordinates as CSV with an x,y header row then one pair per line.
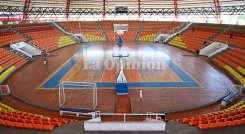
x,y
178,42
123,107
232,116
64,41
122,104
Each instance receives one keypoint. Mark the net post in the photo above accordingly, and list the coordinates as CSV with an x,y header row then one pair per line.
x,y
77,86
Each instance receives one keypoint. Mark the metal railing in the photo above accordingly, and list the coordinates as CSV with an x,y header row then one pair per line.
x,y
156,116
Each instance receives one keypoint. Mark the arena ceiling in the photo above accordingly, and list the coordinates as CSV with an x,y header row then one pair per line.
x,y
132,4
138,7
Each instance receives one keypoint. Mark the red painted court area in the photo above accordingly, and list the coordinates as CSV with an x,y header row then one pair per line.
x,y
110,75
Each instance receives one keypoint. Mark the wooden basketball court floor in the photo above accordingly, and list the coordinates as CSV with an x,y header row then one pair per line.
x,y
184,81
106,68
146,67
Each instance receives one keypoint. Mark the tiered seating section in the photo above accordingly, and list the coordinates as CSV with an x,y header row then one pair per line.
x,y
150,30
7,37
133,29
90,30
233,61
193,39
203,33
237,39
9,62
233,116
13,118
45,36
108,29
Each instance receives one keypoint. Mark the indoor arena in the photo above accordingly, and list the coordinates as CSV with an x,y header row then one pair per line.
x,y
130,66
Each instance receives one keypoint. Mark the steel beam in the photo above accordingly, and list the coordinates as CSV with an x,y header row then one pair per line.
x,y
176,8
68,3
217,9
47,11
26,7
104,10
139,8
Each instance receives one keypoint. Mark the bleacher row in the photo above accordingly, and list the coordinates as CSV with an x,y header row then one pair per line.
x,y
150,30
9,62
233,61
44,36
193,39
237,40
91,30
13,118
94,30
201,36
7,37
191,44
232,116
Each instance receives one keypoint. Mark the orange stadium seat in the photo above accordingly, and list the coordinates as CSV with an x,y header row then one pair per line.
x,y
46,37
151,29
232,116
233,62
194,39
90,30
237,40
7,37
13,118
9,62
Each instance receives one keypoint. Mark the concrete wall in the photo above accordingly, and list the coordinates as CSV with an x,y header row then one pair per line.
x,y
97,125
26,49
213,49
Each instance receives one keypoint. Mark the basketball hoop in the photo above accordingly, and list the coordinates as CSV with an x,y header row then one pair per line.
x,y
120,28
120,32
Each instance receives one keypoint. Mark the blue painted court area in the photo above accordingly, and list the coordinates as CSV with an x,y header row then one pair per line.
x,y
187,81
